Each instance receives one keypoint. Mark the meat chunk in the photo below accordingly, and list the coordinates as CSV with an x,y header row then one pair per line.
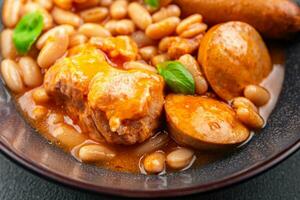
x,y
68,80
126,105
122,106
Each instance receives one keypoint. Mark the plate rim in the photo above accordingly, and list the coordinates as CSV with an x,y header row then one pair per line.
x,y
234,178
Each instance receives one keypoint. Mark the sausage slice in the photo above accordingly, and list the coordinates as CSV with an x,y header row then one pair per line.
x,y
203,123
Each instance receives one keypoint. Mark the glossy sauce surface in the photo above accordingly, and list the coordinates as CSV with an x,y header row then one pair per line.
x,y
127,160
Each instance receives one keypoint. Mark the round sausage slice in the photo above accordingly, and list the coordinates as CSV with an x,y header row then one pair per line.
x,y
233,55
203,123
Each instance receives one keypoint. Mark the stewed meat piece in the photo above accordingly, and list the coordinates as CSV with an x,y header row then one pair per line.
x,y
122,106
68,80
126,105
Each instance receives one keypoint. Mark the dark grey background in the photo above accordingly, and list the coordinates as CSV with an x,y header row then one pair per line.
x,y
281,182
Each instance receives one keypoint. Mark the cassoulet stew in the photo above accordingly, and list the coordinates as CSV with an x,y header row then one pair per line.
x,y
141,86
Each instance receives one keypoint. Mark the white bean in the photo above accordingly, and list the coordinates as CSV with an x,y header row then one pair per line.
x,y
11,12
12,76
247,113
119,9
67,136
142,39
154,163
162,28
250,118
96,14
165,12
180,158
193,67
184,24
7,46
66,17
94,30
51,33
258,95
31,72
148,52
55,48
95,153
139,15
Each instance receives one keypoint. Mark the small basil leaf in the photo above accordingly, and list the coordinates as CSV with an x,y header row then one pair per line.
x,y
177,77
152,3
27,31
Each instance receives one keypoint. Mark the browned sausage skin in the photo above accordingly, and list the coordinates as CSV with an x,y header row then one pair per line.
x,y
273,18
203,123
233,55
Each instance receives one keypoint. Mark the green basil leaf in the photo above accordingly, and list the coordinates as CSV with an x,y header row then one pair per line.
x,y
27,31
177,77
152,3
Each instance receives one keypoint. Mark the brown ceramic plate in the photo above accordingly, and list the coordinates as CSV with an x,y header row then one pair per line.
x,y
279,139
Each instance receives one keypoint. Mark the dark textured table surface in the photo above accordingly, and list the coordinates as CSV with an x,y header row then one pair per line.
x,y
281,182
